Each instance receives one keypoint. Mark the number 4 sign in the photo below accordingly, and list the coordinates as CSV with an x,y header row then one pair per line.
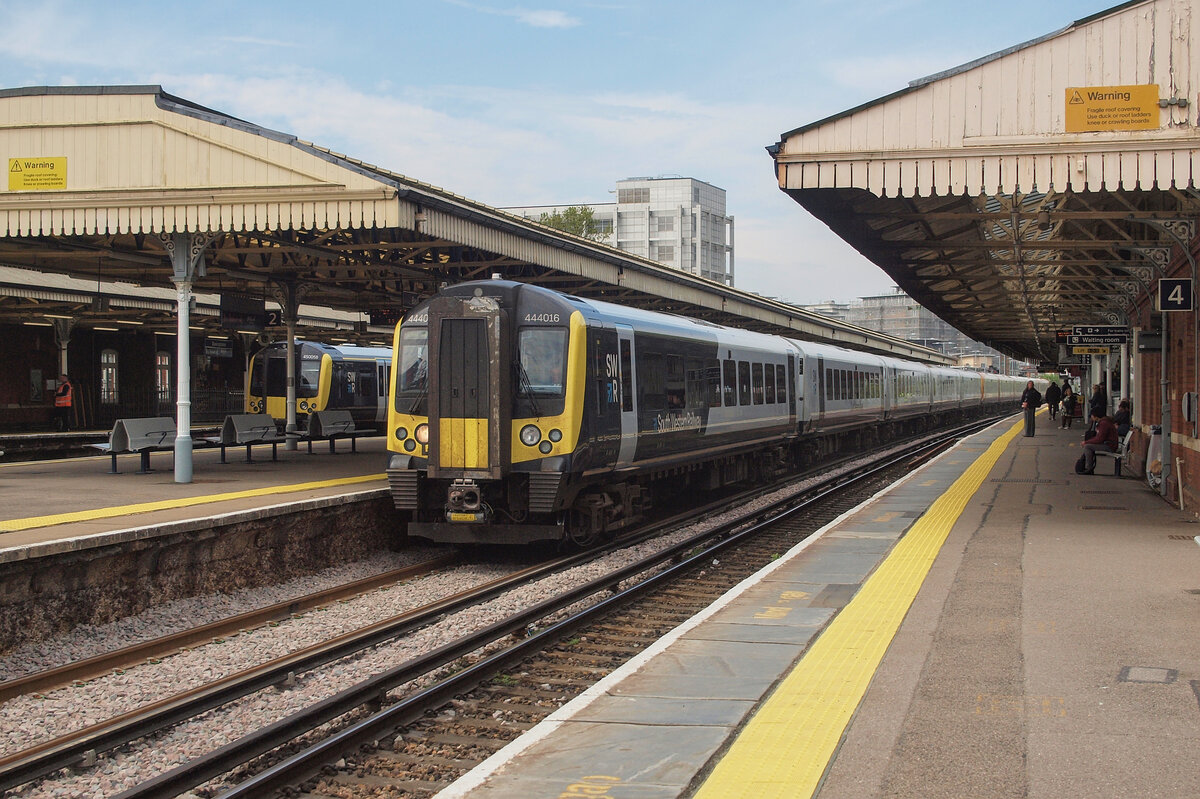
x,y
1175,294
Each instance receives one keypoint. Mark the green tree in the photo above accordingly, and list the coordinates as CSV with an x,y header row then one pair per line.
x,y
577,219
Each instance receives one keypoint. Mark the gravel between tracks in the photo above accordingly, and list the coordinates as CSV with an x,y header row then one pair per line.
x,y
27,720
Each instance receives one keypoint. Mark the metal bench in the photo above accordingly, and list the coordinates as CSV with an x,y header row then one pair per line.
x,y
1121,451
138,435
333,425
248,429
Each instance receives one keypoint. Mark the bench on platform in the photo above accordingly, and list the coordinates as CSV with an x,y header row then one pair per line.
x,y
1120,453
139,435
247,429
333,425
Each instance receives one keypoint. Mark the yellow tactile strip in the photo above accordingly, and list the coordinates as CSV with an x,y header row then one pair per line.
x,y
785,748
12,525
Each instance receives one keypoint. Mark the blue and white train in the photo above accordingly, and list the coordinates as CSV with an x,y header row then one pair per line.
x,y
518,414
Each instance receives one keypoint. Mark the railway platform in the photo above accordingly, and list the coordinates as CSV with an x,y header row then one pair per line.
x,y
75,502
995,625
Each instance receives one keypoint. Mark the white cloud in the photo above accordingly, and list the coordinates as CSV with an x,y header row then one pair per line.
x,y
537,18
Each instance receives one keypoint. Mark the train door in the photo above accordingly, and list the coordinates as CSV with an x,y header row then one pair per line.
x,y
795,402
820,389
385,373
628,377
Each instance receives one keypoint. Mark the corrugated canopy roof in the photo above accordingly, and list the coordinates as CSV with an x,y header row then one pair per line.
x,y
104,171
1025,192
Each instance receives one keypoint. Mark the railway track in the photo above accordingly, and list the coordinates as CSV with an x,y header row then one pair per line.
x,y
419,744
494,715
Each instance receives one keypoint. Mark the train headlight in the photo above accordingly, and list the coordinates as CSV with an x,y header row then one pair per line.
x,y
409,445
555,435
530,435
401,433
303,405
422,434
545,447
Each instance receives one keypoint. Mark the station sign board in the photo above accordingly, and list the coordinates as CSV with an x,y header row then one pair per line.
x,y
1105,341
1175,294
37,174
1100,330
1090,350
1092,108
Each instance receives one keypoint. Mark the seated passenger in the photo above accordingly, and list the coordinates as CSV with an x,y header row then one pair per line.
x,y
1104,438
1122,418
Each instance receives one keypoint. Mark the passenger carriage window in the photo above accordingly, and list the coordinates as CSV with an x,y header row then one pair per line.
x,y
675,385
828,384
769,384
781,383
626,377
744,383
652,381
730,383
756,382
712,382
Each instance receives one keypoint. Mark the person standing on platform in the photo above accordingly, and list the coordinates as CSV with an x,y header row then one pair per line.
x,y
1053,395
64,403
1031,398
1070,401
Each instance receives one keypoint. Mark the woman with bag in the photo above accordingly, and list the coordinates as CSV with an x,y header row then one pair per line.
x,y
1031,398
1070,404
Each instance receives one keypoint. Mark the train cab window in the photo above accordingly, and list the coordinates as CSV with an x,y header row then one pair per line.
x,y
781,383
769,385
756,382
730,383
308,381
543,357
626,377
744,383
412,370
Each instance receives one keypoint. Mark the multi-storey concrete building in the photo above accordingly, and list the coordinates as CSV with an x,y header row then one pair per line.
x,y
680,222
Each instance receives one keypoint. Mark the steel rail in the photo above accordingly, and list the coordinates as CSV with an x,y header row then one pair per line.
x,y
107,662
306,763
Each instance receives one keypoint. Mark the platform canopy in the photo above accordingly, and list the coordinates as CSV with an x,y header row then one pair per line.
x,y
1038,188
100,179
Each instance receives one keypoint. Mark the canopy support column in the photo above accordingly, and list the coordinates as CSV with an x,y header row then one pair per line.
x,y
290,295
187,264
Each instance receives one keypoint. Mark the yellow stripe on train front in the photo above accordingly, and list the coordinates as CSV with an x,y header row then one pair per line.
x,y
463,443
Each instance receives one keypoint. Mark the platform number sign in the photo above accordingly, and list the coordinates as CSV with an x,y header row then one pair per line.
x,y
1175,294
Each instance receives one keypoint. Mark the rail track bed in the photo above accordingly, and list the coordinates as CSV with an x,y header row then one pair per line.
x,y
408,730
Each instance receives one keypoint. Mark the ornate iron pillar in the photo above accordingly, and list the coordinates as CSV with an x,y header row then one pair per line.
x,y
62,337
289,295
186,251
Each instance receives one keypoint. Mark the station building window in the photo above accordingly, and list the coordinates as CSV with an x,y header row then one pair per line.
x,y
162,375
108,377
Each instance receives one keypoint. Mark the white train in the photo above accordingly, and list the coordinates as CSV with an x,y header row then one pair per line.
x,y
517,413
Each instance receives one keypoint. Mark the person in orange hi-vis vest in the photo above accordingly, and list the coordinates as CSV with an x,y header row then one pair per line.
x,y
64,400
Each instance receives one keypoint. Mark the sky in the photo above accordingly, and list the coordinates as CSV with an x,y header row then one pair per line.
x,y
546,103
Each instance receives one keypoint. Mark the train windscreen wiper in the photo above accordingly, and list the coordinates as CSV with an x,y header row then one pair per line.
x,y
527,387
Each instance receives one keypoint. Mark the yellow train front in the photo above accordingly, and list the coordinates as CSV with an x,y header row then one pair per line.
x,y
481,441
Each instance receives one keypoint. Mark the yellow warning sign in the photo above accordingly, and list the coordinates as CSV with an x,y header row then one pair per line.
x,y
37,174
1089,350
1112,108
